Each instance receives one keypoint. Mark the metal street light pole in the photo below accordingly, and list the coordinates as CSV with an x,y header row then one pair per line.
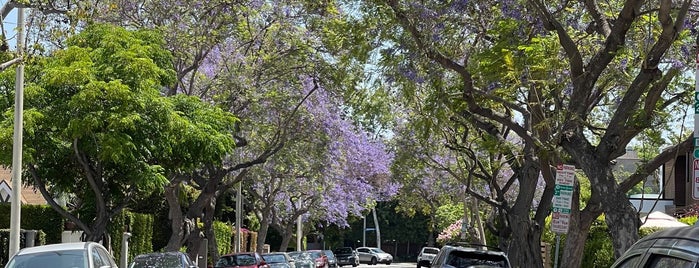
x,y
16,205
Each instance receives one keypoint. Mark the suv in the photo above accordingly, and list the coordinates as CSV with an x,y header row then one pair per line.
x,y
470,255
346,256
373,256
672,247
426,256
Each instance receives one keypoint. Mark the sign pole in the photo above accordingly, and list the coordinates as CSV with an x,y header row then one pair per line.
x,y
558,244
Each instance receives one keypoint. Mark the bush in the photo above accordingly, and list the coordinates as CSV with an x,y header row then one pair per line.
x,y
223,232
39,239
141,228
36,217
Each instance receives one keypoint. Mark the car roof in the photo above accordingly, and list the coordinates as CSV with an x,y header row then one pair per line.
x,y
239,253
55,247
474,248
175,253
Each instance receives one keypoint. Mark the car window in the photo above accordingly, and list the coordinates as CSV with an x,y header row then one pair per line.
x,y
363,250
631,262
462,259
343,251
97,260
658,260
377,250
274,258
106,257
54,259
430,250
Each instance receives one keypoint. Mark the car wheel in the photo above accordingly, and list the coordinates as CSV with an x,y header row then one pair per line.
x,y
355,265
373,261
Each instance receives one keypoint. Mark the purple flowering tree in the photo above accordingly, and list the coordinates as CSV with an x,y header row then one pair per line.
x,y
329,170
571,84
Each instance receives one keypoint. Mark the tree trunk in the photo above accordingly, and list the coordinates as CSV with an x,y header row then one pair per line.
x,y
287,234
376,225
210,232
622,220
578,229
477,219
524,250
262,234
177,221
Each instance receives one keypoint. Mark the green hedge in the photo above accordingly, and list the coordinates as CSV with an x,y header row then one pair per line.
x,y
223,232
36,217
141,228
40,239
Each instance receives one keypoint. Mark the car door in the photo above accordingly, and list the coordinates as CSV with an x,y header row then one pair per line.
x,y
364,254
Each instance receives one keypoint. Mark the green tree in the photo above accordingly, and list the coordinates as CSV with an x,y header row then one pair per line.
x,y
99,131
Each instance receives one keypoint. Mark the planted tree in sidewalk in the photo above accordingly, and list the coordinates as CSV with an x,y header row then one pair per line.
x,y
488,67
98,130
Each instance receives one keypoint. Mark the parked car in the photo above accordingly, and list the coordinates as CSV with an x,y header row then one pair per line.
x,y
241,260
467,255
321,260
426,256
278,260
65,255
346,256
373,256
174,259
332,260
302,259
672,247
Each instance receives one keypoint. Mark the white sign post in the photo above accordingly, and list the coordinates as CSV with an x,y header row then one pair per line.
x,y
562,201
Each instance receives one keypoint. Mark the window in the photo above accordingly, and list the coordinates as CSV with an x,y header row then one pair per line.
x,y
658,260
631,262
97,260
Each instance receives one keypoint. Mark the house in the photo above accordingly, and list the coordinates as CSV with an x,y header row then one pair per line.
x,y
29,194
655,193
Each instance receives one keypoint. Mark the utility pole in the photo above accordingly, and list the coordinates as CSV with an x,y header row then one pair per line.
x,y
16,200
238,217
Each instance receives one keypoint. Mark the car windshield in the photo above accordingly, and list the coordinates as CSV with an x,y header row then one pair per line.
x,y
343,251
462,259
377,250
54,259
156,261
236,260
329,253
274,258
315,254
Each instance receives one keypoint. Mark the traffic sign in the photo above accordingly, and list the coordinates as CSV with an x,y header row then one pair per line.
x,y
695,179
563,198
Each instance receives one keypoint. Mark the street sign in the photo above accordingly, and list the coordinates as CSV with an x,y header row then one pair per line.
x,y
563,198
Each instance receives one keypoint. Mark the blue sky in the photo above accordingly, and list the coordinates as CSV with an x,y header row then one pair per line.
x,y
10,23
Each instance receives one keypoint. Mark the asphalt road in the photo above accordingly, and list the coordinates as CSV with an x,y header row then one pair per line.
x,y
392,265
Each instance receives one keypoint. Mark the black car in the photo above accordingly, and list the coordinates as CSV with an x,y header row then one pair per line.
x,y
162,260
671,247
332,260
346,256
469,255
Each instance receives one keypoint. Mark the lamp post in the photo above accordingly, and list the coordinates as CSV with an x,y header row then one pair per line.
x,y
16,200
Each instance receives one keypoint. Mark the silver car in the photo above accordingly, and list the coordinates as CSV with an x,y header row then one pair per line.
x,y
373,256
424,259
278,260
65,255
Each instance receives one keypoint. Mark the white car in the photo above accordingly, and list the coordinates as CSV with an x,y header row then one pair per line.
x,y
65,255
424,259
373,256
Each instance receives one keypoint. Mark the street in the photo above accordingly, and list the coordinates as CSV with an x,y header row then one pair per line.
x,y
392,265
